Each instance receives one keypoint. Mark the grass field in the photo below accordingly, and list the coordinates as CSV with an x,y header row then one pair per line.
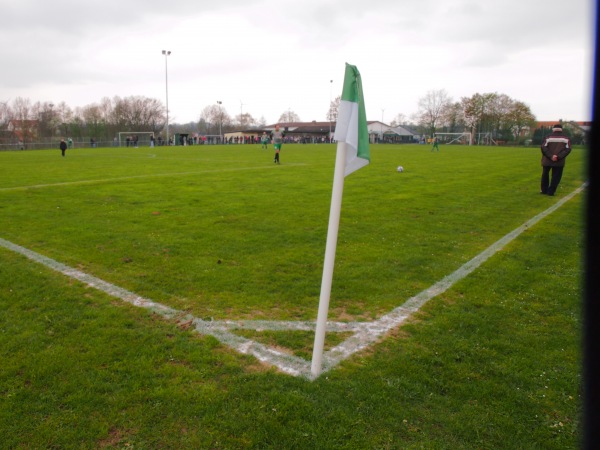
x,y
222,234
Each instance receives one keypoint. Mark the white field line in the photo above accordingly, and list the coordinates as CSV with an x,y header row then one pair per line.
x,y
287,363
134,177
364,333
374,330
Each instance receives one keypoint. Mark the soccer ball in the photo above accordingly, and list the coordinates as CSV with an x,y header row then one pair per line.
x,y
400,169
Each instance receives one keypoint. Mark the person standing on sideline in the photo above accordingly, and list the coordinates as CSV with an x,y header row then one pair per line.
x,y
555,149
277,141
436,144
63,146
264,140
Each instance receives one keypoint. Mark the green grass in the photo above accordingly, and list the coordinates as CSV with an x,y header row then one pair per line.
x,y
223,233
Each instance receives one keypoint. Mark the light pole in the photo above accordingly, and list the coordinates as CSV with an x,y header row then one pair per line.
x,y
167,53
241,115
51,120
381,137
330,107
220,120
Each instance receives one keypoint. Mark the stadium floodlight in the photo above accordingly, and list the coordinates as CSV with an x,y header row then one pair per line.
x,y
330,107
220,120
241,114
167,53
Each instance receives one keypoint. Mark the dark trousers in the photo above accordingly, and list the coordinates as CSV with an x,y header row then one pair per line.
x,y
549,184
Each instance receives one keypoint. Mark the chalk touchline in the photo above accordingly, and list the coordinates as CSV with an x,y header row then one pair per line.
x,y
364,333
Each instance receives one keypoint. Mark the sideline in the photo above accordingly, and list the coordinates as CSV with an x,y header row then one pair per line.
x,y
364,333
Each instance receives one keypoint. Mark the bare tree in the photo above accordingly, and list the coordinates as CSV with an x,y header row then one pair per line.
x,y
217,117
246,120
22,109
135,113
46,120
332,112
203,126
64,116
4,114
453,118
25,116
289,116
431,108
400,119
93,120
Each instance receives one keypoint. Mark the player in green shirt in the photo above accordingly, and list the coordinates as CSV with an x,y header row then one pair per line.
x,y
277,141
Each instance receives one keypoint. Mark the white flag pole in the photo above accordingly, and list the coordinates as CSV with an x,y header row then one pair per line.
x,y
330,249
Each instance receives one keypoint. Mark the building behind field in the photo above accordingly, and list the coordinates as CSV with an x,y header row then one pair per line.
x,y
320,132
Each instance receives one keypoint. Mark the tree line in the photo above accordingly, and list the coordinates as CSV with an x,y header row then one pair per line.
x,y
488,116
42,121
46,120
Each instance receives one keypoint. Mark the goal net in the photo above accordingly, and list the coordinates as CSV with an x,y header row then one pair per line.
x,y
136,138
451,138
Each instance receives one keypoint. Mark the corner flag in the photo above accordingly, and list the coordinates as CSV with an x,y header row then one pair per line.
x,y
352,153
351,126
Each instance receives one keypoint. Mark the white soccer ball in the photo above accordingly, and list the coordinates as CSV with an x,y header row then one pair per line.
x,y
400,169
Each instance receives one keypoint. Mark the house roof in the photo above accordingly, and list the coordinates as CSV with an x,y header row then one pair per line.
x,y
15,124
315,127
377,127
583,125
401,131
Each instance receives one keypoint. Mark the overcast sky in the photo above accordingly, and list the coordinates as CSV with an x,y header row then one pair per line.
x,y
266,57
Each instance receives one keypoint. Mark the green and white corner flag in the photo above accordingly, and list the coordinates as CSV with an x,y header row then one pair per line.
x,y
352,153
351,126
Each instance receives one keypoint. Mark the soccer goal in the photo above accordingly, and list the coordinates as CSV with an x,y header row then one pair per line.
x,y
463,138
136,138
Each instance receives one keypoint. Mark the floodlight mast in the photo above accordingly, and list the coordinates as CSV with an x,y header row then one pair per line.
x,y
220,120
330,107
167,53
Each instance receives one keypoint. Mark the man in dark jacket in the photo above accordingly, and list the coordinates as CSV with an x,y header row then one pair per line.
x,y
555,148
63,146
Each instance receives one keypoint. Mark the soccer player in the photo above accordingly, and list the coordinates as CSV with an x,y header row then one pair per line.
x,y
277,141
436,145
264,140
